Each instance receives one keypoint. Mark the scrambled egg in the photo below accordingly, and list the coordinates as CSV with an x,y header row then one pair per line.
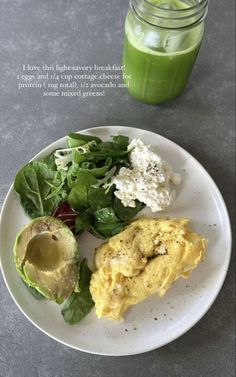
x,y
146,258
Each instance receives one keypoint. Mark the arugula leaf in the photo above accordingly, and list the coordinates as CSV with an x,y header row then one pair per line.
x,y
72,175
79,304
31,183
106,222
127,213
78,196
58,185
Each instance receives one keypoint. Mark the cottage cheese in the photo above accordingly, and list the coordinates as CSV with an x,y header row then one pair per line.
x,y
150,179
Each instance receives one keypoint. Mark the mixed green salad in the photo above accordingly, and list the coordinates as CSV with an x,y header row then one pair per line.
x,y
72,185
78,176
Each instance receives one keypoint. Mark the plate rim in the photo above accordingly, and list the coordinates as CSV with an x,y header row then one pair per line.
x,y
181,331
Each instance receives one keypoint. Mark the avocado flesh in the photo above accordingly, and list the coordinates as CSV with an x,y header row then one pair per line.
x,y
46,257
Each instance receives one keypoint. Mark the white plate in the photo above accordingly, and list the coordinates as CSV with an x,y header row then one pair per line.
x,y
154,322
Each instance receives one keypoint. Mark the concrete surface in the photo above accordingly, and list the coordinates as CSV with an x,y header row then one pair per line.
x,y
201,121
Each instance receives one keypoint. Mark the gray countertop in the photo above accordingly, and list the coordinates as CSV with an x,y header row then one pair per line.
x,y
201,121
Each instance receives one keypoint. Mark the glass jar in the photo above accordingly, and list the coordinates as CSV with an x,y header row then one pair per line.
x,y
162,40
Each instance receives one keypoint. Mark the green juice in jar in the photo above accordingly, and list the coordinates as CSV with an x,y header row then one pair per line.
x,y
158,60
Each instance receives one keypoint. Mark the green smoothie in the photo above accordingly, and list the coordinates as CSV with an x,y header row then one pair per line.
x,y
157,63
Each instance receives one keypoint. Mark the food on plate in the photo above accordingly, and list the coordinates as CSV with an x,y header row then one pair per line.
x,y
65,213
96,185
70,183
149,179
100,186
46,257
146,258
80,302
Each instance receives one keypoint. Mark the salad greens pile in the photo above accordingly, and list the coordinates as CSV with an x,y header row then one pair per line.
x,y
79,175
73,184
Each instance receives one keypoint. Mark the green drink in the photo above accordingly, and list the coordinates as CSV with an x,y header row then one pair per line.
x,y
158,60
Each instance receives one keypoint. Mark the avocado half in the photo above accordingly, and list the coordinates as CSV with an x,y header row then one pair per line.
x,y
46,257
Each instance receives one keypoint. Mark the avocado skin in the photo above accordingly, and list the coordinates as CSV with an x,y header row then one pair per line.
x,y
38,245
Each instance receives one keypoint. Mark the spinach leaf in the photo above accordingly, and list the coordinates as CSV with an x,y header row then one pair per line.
x,y
89,200
107,146
75,139
31,183
106,222
82,222
79,304
78,196
95,233
87,165
105,230
49,161
98,155
122,141
127,213
105,215
100,198
96,171
121,162
119,143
